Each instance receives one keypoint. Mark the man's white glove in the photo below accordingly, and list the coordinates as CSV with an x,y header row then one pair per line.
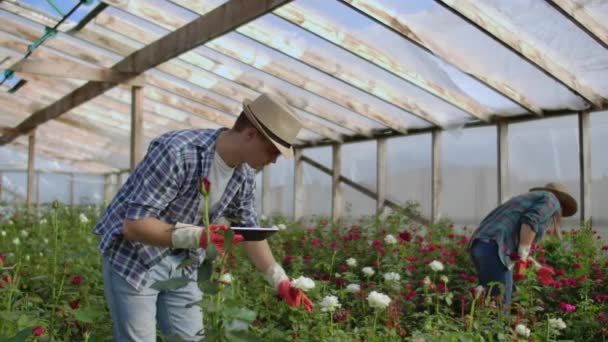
x,y
189,236
274,275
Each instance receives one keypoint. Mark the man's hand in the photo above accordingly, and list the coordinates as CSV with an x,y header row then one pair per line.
x,y
275,275
293,296
189,236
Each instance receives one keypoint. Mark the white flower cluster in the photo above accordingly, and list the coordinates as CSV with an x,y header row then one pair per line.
x,y
368,271
83,218
378,300
329,304
436,266
353,288
557,324
522,330
226,278
392,276
303,283
390,240
351,262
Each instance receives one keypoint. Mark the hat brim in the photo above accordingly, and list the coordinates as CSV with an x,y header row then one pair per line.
x,y
287,152
568,203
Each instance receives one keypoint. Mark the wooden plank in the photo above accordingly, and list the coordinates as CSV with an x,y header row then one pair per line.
x,y
584,156
381,173
336,190
437,184
217,22
298,185
313,21
502,153
137,125
218,73
357,186
67,69
376,11
31,156
500,27
578,10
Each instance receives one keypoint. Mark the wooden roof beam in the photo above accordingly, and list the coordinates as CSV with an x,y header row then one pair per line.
x,y
215,23
498,26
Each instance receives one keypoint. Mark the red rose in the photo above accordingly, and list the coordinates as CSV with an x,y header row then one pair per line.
x,y
74,304
77,280
38,331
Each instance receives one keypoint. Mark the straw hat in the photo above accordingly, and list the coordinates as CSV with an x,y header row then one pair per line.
x,y
275,120
567,202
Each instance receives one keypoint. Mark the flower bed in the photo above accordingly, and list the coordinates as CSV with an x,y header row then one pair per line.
x,y
377,280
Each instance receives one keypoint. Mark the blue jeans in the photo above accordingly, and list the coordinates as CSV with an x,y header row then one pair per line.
x,y
490,269
135,313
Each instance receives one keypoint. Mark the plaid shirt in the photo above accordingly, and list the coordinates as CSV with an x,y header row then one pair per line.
x,y
166,185
502,225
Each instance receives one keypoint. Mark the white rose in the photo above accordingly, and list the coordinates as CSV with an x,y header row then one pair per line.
x,y
226,278
43,221
329,304
303,283
352,262
83,218
444,279
353,288
3,233
479,291
263,218
24,233
522,330
390,240
16,241
557,323
426,281
27,257
436,265
45,240
378,300
281,226
368,271
392,276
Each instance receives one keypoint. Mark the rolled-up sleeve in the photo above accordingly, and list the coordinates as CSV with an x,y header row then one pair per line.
x,y
157,181
541,208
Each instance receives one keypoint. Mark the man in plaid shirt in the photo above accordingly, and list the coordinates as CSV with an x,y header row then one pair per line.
x,y
153,223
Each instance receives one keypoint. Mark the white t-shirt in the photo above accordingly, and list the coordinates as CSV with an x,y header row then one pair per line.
x,y
219,175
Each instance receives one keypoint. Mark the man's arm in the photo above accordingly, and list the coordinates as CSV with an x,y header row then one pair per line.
x,y
150,231
260,254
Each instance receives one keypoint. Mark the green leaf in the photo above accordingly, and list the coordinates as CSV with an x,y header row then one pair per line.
x,y
86,316
204,271
211,253
242,314
21,335
171,284
208,287
241,336
9,316
228,236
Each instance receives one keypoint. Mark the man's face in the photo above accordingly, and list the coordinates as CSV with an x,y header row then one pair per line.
x,y
260,151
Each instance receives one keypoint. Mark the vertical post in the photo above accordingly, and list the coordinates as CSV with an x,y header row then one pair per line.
x,y
336,192
71,189
584,154
298,188
107,186
502,154
436,176
381,173
137,124
266,190
30,170
37,191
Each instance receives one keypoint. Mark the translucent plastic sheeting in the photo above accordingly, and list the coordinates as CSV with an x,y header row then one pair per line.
x,y
275,63
88,189
599,172
356,204
281,188
561,39
54,187
12,157
335,21
64,7
307,47
409,165
469,177
14,186
317,190
359,163
322,155
445,32
544,151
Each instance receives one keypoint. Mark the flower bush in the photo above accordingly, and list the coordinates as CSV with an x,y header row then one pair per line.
x,y
366,286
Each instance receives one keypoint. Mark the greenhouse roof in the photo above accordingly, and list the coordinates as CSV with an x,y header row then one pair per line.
x,y
352,69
